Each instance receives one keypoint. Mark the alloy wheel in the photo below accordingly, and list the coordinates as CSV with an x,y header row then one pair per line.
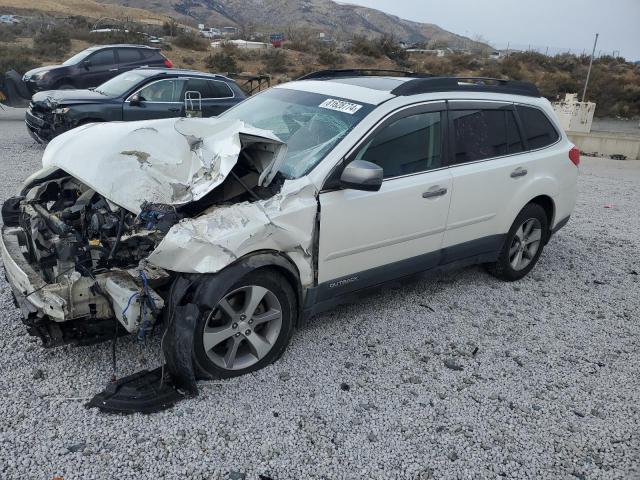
x,y
243,327
525,244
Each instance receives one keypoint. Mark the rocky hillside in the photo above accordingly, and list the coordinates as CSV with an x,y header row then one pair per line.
x,y
340,20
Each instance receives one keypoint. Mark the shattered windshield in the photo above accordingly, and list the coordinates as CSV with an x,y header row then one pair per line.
x,y
309,123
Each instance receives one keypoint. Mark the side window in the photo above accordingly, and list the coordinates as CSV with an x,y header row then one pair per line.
x,y
537,128
103,57
198,85
169,90
408,145
128,55
478,134
219,89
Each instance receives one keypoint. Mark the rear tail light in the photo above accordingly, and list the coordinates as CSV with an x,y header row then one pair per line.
x,y
168,63
574,156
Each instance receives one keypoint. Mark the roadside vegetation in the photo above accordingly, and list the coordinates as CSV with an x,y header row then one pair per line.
x,y
614,85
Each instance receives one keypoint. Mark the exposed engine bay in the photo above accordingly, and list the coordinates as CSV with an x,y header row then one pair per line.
x,y
87,255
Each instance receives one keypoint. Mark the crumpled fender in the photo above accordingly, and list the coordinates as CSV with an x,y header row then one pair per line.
x,y
177,345
222,235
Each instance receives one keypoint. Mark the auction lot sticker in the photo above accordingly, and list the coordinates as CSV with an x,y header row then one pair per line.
x,y
340,106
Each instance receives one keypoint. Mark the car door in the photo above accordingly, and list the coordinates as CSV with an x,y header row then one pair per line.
x,y
128,59
97,69
370,237
487,169
158,99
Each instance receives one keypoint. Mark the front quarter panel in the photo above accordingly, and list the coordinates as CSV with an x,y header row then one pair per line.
x,y
220,236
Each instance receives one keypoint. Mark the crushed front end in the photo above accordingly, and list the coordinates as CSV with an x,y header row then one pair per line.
x,y
75,262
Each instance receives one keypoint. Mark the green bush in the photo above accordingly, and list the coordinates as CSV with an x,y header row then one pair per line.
x,y
54,42
221,62
191,40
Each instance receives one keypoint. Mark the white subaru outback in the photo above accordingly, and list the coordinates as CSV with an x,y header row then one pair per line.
x,y
233,230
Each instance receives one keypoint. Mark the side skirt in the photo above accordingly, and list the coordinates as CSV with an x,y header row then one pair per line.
x,y
349,288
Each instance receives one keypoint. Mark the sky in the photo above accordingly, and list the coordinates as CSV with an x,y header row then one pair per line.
x,y
558,24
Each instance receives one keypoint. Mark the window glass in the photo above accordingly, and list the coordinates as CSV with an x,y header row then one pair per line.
x,y
121,84
198,85
409,145
219,89
103,57
514,142
128,55
537,128
479,134
304,120
163,91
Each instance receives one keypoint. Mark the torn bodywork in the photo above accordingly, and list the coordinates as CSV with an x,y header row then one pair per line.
x,y
120,209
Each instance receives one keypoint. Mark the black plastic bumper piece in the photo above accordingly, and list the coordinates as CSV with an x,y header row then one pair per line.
x,y
142,392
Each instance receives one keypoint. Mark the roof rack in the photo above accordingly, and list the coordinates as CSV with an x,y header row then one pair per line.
x,y
465,84
356,72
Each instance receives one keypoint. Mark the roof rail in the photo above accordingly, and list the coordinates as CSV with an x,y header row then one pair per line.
x,y
465,84
356,72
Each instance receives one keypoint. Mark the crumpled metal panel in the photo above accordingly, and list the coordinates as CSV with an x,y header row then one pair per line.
x,y
168,161
223,234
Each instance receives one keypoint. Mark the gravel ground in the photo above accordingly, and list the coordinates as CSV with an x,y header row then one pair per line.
x,y
386,388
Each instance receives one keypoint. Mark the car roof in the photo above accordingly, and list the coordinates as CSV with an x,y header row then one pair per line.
x,y
176,72
376,89
122,45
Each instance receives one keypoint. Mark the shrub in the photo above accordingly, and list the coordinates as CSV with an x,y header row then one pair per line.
x,y
275,62
361,45
191,40
16,58
52,43
330,58
188,60
221,62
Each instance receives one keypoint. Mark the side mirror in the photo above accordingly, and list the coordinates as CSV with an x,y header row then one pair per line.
x,y
362,175
136,100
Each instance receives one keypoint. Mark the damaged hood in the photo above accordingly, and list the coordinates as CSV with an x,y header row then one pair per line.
x,y
168,161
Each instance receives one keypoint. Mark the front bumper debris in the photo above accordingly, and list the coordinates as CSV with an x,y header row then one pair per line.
x,y
75,298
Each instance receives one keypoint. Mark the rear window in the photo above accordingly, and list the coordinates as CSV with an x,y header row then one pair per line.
x,y
538,130
482,134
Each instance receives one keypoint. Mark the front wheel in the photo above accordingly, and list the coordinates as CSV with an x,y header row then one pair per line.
x,y
523,246
249,328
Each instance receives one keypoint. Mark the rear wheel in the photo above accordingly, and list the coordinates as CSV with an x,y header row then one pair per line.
x,y
249,328
523,245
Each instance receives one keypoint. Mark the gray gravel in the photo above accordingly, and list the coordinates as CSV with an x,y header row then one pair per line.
x,y
386,388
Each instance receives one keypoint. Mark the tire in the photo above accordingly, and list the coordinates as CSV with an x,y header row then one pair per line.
x,y
222,329
508,267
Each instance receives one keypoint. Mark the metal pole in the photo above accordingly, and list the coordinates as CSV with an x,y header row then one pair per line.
x,y
586,83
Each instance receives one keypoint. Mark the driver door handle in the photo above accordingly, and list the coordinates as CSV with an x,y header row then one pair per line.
x,y
113,69
438,192
519,172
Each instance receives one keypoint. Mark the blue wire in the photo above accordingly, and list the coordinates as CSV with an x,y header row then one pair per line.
x,y
124,312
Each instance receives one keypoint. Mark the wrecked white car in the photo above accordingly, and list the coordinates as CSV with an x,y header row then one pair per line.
x,y
230,231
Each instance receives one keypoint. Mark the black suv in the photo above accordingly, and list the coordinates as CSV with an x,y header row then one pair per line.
x,y
93,66
141,94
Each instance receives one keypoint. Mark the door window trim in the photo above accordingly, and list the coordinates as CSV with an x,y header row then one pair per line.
x,y
469,104
397,114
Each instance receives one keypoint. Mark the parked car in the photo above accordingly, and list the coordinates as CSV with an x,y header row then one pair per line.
x,y
94,66
240,227
140,94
